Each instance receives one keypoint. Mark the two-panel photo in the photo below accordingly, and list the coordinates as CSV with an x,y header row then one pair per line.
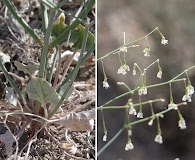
x,y
97,80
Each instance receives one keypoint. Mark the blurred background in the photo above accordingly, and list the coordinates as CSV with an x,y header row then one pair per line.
x,y
176,20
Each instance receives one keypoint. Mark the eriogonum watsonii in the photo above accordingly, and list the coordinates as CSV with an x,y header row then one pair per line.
x,y
159,74
105,137
189,93
123,49
158,139
151,122
105,84
123,69
140,114
142,90
182,123
132,111
147,51
164,41
172,106
129,146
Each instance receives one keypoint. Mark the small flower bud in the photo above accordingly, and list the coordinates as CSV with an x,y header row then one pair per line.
x,y
164,41
129,146
105,84
158,139
105,137
182,123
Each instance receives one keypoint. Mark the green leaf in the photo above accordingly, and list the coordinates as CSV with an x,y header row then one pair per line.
x,y
59,26
76,35
40,90
28,69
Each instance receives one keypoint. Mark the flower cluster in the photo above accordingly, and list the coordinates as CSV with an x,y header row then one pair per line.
x,y
140,114
189,93
172,106
158,139
147,51
129,146
182,123
150,123
142,90
105,137
105,84
164,41
123,69
159,74
132,110
123,49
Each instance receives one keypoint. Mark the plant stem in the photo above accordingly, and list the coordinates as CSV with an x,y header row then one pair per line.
x,y
44,53
118,49
44,17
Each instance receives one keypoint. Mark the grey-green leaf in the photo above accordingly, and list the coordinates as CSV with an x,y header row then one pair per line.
x,y
40,90
28,69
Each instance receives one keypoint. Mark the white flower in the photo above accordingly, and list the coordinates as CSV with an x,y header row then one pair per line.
x,y
143,91
105,84
129,146
159,74
123,49
164,41
187,97
190,90
182,123
132,111
151,122
172,106
105,137
147,51
123,69
158,139
140,114
189,93
134,72
129,132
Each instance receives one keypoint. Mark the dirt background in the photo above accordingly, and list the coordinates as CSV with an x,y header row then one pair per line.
x,y
15,42
175,20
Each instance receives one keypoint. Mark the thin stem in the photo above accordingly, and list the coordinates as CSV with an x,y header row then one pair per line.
x,y
53,64
127,126
75,72
46,43
118,49
155,85
132,92
134,105
44,16
66,67
151,64
110,142
58,68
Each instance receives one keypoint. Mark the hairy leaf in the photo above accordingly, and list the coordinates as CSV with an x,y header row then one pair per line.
x,y
28,69
40,90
